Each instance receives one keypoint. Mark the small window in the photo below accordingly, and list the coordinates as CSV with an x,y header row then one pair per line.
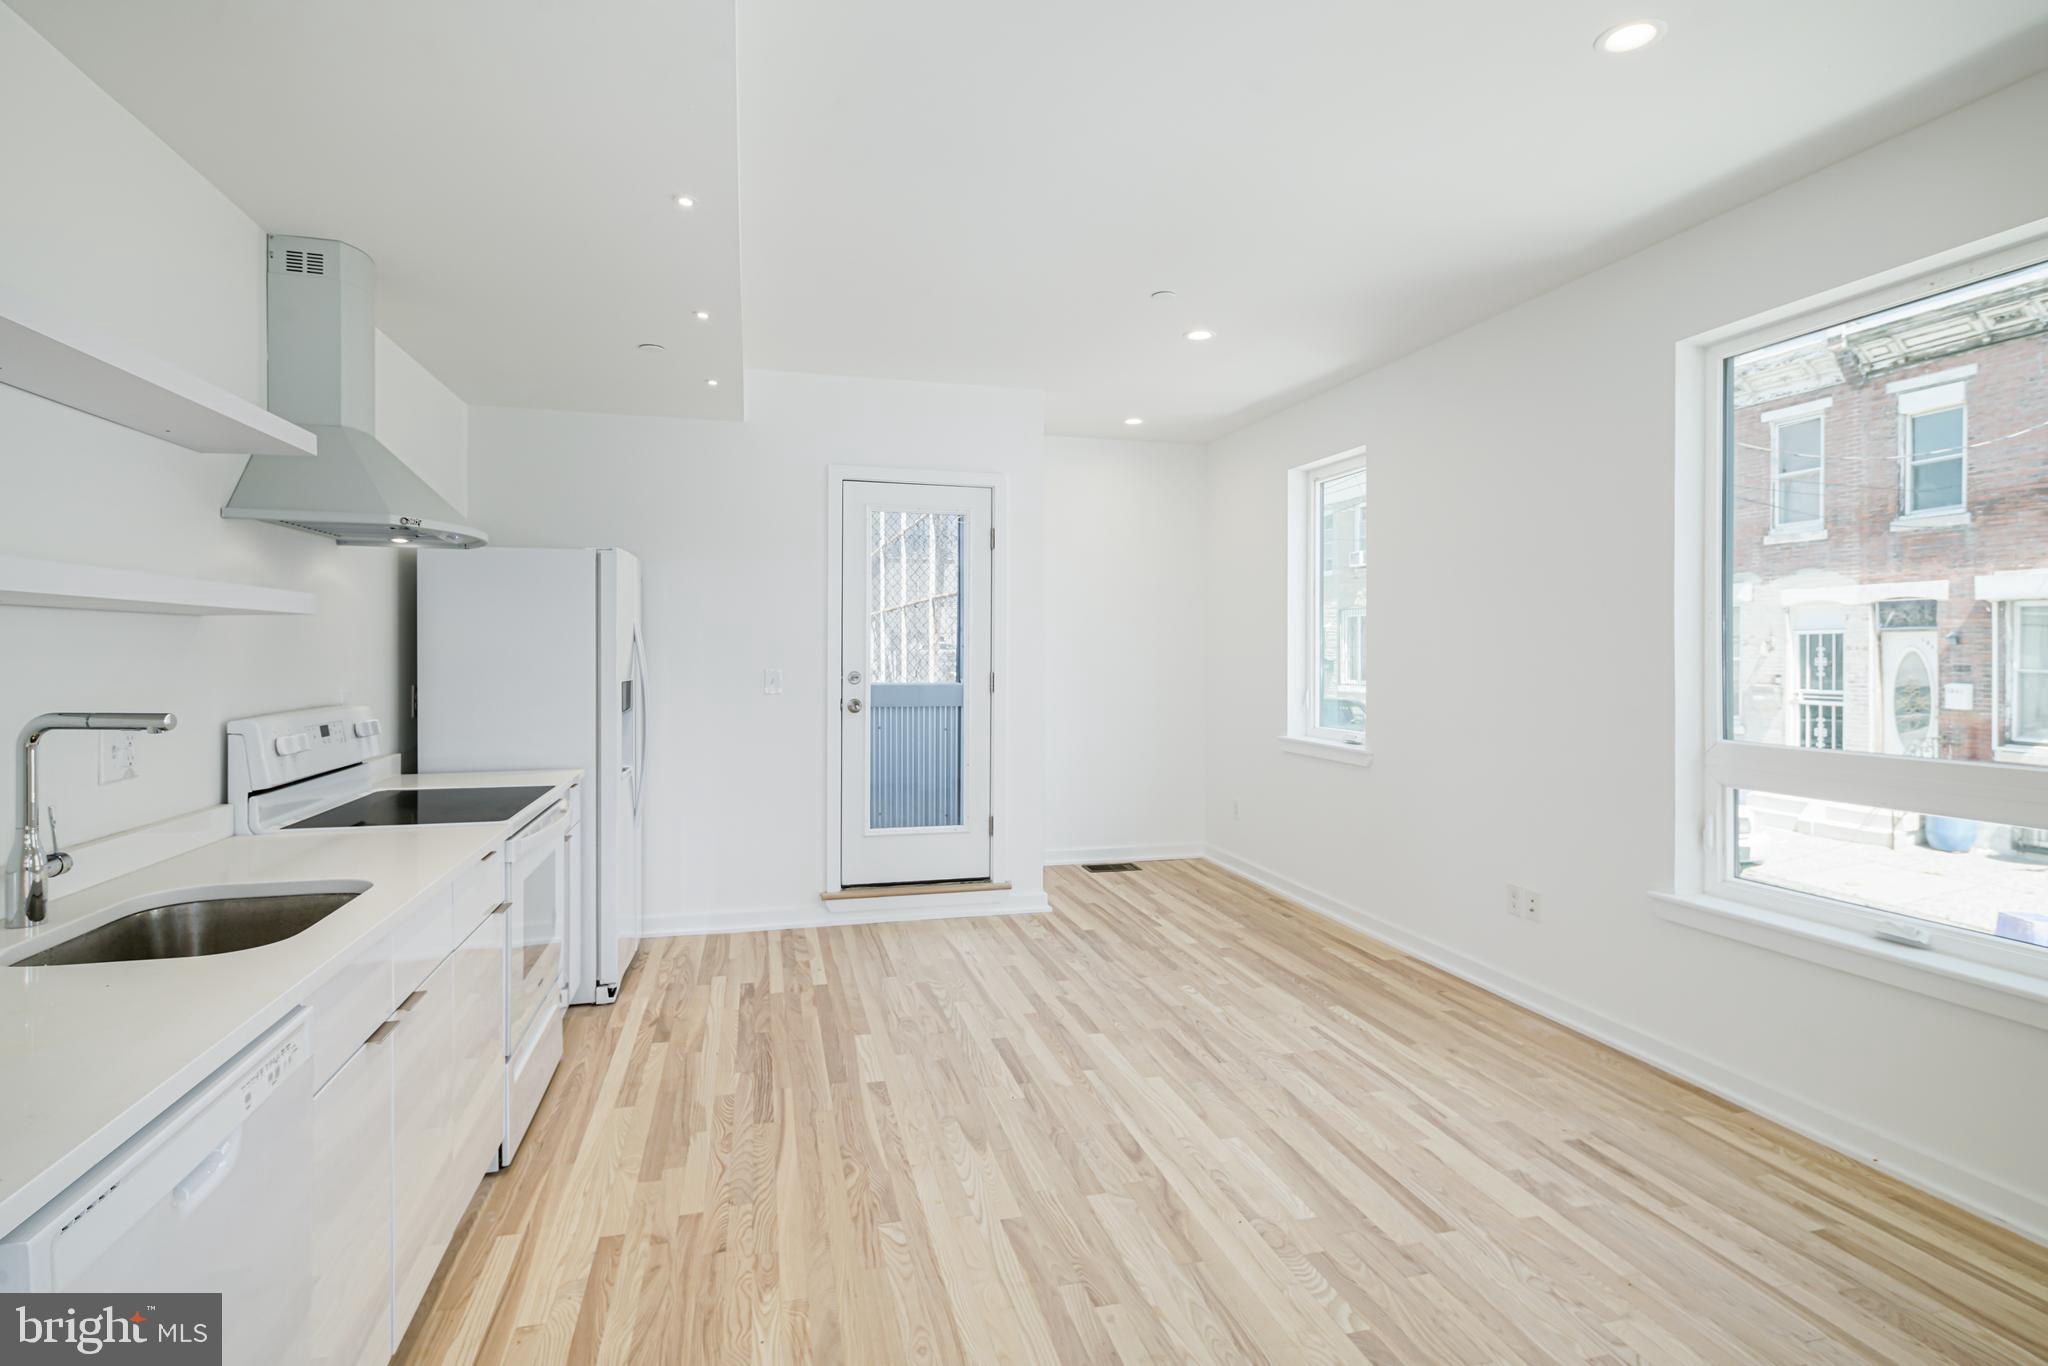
x,y
1351,648
2030,673
1326,671
1796,463
1934,458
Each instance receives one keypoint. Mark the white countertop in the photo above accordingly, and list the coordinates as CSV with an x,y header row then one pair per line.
x,y
90,1053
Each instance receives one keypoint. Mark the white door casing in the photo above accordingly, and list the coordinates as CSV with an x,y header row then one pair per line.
x,y
914,713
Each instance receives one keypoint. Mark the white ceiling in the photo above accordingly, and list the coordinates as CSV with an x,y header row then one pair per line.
x,y
510,164
988,193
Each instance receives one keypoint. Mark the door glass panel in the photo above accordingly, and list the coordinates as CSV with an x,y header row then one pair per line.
x,y
1913,704
915,690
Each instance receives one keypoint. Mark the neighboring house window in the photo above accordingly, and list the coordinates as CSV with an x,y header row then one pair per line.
x,y
1351,648
2030,672
1854,775
1820,689
1796,472
1933,422
1326,639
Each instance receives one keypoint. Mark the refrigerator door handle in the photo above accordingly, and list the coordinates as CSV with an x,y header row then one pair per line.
x,y
638,768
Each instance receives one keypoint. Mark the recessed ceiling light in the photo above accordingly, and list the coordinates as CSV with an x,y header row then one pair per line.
x,y
1629,37
650,346
684,201
702,316
1199,334
712,382
401,540
1161,296
1134,422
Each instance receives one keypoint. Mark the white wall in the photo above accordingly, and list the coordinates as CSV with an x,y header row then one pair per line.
x,y
1522,689
1125,579
103,221
729,520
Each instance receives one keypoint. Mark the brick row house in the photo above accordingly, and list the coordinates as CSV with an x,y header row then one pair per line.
x,y
1889,540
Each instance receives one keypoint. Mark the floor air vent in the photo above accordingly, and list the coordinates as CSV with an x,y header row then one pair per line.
x,y
1111,867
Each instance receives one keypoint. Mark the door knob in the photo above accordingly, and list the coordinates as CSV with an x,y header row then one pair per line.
x,y
853,704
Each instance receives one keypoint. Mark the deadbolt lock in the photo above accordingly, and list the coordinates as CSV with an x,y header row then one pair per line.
x,y
853,704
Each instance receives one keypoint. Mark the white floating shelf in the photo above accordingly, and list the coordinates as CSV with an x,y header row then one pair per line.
x,y
48,355
94,588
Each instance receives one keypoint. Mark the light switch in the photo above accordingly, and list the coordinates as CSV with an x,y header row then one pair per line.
x,y
771,682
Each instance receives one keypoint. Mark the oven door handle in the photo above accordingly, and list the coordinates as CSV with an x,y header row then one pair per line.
x,y
542,828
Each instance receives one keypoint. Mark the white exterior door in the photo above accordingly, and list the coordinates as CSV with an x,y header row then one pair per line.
x,y
915,683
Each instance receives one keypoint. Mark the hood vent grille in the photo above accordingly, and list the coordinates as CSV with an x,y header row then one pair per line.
x,y
320,310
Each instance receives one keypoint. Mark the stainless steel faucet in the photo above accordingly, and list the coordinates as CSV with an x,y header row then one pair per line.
x,y
28,882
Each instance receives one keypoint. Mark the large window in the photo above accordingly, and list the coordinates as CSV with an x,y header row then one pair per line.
x,y
1326,641
1876,757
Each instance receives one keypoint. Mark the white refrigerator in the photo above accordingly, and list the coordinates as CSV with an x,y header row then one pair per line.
x,y
534,659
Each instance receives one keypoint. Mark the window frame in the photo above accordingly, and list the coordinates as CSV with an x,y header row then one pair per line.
x,y
2015,613
1965,966
1306,553
1912,407
1793,417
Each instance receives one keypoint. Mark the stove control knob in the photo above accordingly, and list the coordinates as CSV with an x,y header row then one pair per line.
x,y
291,744
369,728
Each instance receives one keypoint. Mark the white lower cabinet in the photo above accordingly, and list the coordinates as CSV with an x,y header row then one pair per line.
x,y
404,1131
351,1317
422,1140
479,1047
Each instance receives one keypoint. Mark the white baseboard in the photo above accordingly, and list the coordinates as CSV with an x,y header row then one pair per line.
x,y
818,914
1124,853
1982,1195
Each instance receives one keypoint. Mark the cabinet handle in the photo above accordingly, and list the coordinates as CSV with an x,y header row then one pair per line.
x,y
409,1002
382,1032
500,908
489,854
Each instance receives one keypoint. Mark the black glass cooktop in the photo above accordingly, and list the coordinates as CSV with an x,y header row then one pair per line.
x,y
424,806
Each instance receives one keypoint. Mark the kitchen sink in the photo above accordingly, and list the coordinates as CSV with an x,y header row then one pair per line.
x,y
194,929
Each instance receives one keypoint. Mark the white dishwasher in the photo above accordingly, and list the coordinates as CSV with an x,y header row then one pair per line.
x,y
212,1196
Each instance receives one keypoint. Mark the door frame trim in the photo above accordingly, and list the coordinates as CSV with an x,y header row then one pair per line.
x,y
999,756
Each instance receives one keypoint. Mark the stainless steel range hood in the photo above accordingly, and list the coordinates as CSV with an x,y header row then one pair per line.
x,y
323,376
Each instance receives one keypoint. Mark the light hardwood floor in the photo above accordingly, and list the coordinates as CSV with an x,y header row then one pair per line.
x,y
1177,1119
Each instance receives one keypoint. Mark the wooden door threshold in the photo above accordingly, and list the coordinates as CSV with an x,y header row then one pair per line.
x,y
913,889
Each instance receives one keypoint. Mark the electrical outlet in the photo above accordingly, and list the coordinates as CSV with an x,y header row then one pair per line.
x,y
1233,811
1524,904
117,757
771,682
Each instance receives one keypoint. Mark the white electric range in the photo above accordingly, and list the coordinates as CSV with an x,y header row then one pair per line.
x,y
327,769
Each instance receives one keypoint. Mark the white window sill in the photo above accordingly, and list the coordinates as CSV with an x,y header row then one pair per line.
x,y
2017,996
1930,521
1796,535
2022,752
1334,750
